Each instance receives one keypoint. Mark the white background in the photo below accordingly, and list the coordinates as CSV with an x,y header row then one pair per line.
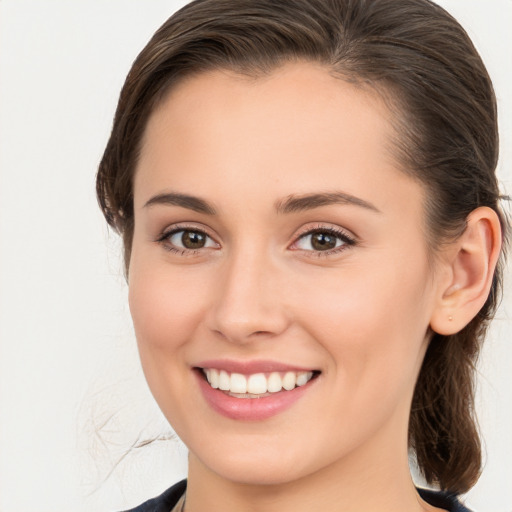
x,y
72,398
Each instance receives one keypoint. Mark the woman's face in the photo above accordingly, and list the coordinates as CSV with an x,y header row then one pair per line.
x,y
277,245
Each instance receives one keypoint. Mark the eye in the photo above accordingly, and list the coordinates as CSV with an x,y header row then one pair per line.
x,y
183,240
323,240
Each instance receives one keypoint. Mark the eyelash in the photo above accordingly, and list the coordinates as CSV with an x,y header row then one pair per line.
x,y
164,240
345,238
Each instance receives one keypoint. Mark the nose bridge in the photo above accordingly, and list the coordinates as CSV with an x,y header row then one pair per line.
x,y
246,303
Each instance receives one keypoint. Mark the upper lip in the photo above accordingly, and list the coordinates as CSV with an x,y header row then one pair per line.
x,y
251,367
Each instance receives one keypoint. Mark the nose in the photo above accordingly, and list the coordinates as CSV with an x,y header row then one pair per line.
x,y
247,304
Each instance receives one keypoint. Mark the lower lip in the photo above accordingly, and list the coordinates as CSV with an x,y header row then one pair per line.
x,y
250,409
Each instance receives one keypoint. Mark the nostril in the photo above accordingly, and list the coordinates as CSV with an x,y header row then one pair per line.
x,y
239,333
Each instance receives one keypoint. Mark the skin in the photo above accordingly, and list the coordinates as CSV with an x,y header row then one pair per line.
x,y
258,290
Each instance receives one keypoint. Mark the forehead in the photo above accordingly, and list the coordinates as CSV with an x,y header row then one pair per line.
x,y
299,92
295,128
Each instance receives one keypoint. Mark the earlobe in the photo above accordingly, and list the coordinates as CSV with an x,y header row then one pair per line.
x,y
470,264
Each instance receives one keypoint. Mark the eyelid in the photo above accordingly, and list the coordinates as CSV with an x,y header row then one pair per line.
x,y
164,236
320,226
346,236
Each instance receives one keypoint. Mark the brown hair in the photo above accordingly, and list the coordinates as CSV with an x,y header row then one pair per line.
x,y
417,56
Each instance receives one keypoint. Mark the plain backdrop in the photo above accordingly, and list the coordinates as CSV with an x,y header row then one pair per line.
x,y
72,398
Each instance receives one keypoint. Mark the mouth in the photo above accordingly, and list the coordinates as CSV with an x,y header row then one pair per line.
x,y
255,385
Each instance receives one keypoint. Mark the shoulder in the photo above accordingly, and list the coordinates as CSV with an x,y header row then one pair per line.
x,y
165,501
170,497
443,500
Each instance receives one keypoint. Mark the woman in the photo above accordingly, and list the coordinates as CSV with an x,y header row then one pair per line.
x,y
312,233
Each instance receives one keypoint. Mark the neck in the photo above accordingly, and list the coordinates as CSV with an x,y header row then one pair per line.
x,y
354,484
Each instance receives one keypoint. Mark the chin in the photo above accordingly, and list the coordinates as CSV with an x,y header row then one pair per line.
x,y
263,466
252,473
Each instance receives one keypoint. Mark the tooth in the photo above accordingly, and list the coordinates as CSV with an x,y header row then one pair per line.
x,y
274,382
289,381
303,378
224,380
257,384
213,378
238,383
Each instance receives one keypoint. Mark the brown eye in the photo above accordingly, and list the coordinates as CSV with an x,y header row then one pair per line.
x,y
189,239
193,239
323,241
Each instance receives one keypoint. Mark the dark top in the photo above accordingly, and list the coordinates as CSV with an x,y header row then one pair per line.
x,y
169,498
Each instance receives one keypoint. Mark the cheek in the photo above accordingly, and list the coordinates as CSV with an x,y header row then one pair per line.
x,y
372,321
164,306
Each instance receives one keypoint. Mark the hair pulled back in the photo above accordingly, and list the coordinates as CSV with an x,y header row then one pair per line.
x,y
443,108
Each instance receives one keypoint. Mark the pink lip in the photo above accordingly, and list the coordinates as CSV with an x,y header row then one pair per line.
x,y
249,409
250,367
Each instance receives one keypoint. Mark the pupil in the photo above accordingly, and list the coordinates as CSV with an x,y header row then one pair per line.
x,y
323,241
193,240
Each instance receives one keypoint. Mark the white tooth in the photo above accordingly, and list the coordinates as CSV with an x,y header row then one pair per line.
x,y
238,383
303,377
274,382
224,380
289,380
213,378
257,384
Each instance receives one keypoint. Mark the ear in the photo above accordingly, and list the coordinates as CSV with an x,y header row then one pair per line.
x,y
468,269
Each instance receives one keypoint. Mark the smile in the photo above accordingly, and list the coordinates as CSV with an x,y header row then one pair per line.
x,y
256,385
272,386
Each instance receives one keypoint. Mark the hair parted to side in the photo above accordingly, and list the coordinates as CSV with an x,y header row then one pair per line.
x,y
444,110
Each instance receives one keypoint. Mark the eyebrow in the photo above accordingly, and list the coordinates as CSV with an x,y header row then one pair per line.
x,y
294,203
185,201
291,204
